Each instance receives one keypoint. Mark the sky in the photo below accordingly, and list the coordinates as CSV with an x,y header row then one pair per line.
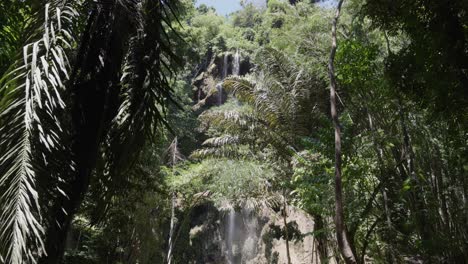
x,y
225,7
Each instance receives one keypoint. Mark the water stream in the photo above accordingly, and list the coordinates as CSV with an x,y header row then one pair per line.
x,y
231,228
235,72
236,64
219,86
241,237
225,65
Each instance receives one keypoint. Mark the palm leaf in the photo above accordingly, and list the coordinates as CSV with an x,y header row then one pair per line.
x,y
221,141
146,91
33,91
13,25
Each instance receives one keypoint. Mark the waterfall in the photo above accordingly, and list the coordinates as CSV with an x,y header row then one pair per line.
x,y
219,87
225,68
241,235
225,65
231,228
327,3
236,64
249,249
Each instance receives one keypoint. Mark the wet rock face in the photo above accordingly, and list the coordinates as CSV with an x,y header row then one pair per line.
x,y
205,239
226,64
216,69
246,237
245,66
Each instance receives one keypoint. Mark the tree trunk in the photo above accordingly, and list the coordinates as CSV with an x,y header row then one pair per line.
x,y
418,203
171,231
286,231
95,89
341,234
383,179
321,238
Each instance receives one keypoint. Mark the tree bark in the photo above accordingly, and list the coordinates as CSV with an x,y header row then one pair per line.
x,y
171,231
321,238
418,203
286,231
383,179
95,89
341,234
366,240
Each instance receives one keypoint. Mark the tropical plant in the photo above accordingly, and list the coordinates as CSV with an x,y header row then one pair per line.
x,y
434,54
344,243
277,103
78,105
86,120
13,25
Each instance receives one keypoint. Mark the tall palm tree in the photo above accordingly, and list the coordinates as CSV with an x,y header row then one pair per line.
x,y
89,86
278,104
286,99
273,109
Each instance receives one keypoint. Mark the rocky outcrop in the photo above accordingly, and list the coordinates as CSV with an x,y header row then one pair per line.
x,y
248,237
206,84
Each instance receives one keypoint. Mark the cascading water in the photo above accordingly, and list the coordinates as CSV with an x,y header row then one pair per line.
x,y
249,249
231,228
241,236
225,65
235,72
236,68
327,3
236,64
219,86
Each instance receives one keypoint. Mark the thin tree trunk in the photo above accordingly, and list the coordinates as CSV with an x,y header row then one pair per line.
x,y
171,231
440,190
417,202
380,154
286,231
366,240
175,157
321,237
341,234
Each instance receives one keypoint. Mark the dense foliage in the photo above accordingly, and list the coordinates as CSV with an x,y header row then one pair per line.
x,y
118,118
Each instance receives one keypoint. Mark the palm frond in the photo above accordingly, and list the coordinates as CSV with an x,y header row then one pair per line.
x,y
227,117
13,25
242,87
32,91
145,92
216,152
147,72
221,141
231,131
280,92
